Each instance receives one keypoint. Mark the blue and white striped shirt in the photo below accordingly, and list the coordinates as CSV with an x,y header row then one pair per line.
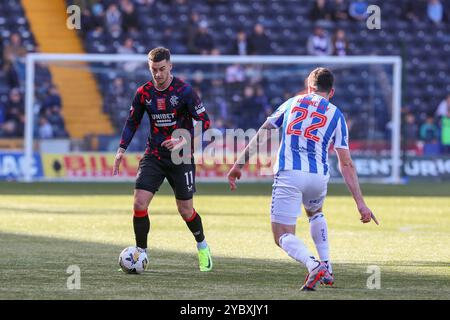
x,y
309,123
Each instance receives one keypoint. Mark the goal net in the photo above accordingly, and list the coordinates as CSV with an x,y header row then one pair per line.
x,y
75,138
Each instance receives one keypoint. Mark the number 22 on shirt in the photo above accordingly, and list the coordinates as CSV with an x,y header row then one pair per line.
x,y
308,132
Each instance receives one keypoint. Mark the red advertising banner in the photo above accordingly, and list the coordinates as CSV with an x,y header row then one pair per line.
x,y
100,165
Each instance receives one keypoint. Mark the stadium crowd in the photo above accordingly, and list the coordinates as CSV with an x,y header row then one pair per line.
x,y
49,120
415,29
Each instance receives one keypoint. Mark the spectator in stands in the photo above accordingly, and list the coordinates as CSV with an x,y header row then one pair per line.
x,y
358,9
234,73
411,129
98,14
98,34
443,114
115,34
56,120
234,79
116,98
435,11
215,52
340,43
218,95
88,22
319,43
14,56
199,81
128,48
443,110
241,44
134,34
429,131
8,129
219,124
358,125
263,101
113,17
254,73
203,43
339,10
413,10
45,130
148,3
52,99
1,52
2,115
259,41
14,118
191,31
174,45
117,87
320,11
129,16
445,134
246,112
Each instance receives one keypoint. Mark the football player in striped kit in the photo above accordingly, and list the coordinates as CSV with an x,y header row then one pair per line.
x,y
309,123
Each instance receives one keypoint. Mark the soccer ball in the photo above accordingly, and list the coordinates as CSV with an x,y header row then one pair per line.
x,y
133,260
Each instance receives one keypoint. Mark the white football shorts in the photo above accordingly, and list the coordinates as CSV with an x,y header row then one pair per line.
x,y
291,189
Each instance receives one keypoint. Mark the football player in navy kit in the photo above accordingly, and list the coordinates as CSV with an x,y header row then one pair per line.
x,y
170,104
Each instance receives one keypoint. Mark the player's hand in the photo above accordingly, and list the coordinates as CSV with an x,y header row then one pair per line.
x,y
174,144
233,174
117,160
366,215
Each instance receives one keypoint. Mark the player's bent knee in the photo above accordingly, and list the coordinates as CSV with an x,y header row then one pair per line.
x,y
140,206
185,211
279,229
185,208
141,201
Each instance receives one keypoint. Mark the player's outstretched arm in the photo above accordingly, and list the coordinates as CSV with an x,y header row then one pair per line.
x,y
118,160
235,172
348,171
132,123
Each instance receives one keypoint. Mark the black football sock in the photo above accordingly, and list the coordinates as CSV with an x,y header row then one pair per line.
x,y
194,224
141,225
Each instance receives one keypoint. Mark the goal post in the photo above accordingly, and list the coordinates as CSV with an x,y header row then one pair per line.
x,y
306,62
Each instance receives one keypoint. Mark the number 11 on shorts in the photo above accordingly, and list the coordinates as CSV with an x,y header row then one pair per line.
x,y
189,178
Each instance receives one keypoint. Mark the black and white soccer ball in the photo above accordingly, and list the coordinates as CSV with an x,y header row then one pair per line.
x,y
133,260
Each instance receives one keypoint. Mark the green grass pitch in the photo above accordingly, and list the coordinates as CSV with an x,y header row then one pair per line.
x,y
45,228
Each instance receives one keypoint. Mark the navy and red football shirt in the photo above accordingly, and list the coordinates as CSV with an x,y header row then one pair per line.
x,y
168,110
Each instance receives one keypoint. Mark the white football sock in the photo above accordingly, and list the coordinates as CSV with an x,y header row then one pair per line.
x,y
319,233
202,244
295,248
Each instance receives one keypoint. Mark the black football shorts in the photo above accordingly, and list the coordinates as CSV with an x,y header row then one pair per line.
x,y
152,171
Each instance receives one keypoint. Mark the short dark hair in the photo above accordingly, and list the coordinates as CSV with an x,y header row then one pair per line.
x,y
322,79
159,54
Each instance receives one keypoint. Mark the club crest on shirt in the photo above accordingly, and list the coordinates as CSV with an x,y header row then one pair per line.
x,y
161,104
174,101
